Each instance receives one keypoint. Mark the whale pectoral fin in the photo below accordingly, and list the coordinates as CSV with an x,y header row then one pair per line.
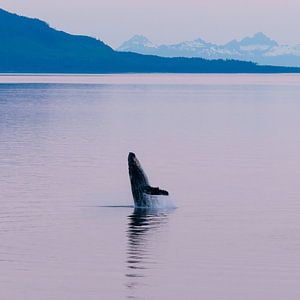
x,y
155,191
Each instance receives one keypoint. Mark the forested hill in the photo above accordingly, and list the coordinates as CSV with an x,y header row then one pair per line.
x,y
31,46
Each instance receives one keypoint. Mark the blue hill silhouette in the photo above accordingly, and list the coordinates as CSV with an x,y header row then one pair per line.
x,y
30,45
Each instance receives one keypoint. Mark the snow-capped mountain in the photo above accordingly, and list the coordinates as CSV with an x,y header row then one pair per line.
x,y
138,44
259,48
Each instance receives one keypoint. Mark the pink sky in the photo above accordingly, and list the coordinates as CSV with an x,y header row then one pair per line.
x,y
166,21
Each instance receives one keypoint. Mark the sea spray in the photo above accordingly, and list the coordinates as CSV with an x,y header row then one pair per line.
x,y
158,202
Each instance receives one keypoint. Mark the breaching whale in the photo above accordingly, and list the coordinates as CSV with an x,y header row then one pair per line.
x,y
140,187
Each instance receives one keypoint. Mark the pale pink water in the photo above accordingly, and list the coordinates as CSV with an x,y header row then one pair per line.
x,y
225,146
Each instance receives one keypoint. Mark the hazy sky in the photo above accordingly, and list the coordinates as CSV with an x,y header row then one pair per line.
x,y
167,21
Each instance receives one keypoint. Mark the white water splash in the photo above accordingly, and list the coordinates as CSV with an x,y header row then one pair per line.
x,y
158,202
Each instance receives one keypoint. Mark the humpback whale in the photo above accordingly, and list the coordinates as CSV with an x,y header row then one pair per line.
x,y
140,187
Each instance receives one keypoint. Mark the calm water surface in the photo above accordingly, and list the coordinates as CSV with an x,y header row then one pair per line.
x,y
227,147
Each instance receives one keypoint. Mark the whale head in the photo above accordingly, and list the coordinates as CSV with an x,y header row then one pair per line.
x,y
131,157
135,170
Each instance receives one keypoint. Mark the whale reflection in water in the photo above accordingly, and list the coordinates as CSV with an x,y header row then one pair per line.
x,y
145,227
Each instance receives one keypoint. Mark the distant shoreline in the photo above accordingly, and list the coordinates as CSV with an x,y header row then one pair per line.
x,y
297,71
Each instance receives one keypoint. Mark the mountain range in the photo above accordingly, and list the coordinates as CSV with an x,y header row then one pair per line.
x,y
30,45
258,48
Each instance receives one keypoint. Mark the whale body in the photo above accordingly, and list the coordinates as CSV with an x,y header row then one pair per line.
x,y
142,192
